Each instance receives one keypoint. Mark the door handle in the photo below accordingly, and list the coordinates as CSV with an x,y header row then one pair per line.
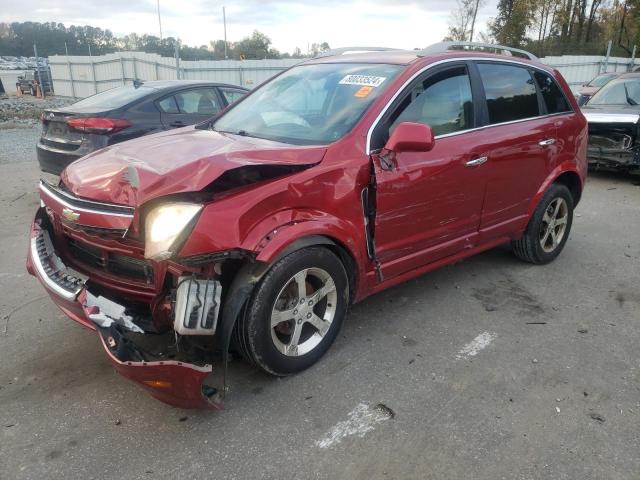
x,y
477,161
177,123
547,142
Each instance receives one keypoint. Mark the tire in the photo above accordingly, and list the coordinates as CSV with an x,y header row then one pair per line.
x,y
539,243
277,313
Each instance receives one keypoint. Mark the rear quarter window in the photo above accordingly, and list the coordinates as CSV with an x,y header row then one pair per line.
x,y
114,98
554,99
510,92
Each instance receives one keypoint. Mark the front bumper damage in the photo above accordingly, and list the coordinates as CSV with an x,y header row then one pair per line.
x,y
153,360
614,143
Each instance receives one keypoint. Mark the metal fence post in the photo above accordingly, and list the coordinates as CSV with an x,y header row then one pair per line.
x,y
73,87
135,68
606,60
93,72
177,61
241,75
633,60
35,53
157,65
122,68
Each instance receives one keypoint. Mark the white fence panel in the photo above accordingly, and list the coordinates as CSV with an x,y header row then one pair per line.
x,y
579,69
78,76
83,76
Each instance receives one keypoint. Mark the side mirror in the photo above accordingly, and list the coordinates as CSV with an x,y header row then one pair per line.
x,y
410,137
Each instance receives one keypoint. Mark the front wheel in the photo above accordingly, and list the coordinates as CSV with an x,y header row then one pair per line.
x,y
295,312
549,227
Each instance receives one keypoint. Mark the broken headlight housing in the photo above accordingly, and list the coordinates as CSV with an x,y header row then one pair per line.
x,y
165,226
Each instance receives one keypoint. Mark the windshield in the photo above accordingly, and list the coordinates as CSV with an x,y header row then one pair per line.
x,y
114,98
618,92
600,80
309,104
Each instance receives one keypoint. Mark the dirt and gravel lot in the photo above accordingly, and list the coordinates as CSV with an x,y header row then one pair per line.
x,y
488,369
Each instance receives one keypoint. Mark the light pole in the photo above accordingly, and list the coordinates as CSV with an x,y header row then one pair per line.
x,y
159,21
224,21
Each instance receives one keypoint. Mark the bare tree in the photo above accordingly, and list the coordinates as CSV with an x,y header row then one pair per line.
x,y
461,20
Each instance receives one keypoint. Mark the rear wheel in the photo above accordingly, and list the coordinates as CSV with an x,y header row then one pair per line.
x,y
548,229
295,312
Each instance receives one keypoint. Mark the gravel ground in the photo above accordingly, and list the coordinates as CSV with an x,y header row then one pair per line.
x,y
18,145
25,111
487,369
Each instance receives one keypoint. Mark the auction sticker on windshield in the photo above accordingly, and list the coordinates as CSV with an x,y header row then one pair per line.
x,y
362,80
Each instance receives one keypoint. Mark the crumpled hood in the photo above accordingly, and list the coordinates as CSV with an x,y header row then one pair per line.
x,y
183,160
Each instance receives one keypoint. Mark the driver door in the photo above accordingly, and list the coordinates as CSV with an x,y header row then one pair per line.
x,y
428,205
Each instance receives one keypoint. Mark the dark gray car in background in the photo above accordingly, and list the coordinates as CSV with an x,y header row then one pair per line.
x,y
613,114
127,112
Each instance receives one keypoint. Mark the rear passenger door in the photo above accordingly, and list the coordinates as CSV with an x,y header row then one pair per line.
x,y
188,107
522,146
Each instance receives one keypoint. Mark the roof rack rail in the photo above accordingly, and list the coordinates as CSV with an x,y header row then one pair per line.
x,y
445,46
354,50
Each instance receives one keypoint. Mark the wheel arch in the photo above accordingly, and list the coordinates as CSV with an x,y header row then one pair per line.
x,y
249,274
565,176
572,181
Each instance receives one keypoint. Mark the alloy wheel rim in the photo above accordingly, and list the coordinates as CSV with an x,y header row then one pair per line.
x,y
554,224
303,312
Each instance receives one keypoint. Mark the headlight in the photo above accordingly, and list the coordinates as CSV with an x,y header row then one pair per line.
x,y
163,226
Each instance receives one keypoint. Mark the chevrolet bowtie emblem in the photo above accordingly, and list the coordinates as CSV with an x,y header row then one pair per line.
x,y
70,215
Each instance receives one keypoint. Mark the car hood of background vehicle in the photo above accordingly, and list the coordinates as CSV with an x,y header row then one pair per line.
x,y
589,91
184,160
614,114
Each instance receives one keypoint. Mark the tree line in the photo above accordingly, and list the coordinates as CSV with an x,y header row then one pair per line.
x,y
51,38
554,27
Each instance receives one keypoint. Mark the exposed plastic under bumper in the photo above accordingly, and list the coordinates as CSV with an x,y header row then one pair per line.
x,y
176,383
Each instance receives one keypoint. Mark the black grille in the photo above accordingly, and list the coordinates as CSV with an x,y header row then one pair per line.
x,y
114,263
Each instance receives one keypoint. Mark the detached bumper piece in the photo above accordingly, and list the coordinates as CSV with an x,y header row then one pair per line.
x,y
50,268
150,359
173,382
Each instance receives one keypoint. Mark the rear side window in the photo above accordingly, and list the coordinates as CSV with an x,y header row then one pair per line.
x,y
114,98
231,95
203,101
168,105
443,101
510,91
554,99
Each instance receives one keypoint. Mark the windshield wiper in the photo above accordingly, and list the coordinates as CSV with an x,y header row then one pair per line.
x,y
630,100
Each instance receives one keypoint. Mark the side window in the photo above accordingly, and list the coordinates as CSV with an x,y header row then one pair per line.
x,y
202,101
231,95
510,91
554,99
168,105
443,101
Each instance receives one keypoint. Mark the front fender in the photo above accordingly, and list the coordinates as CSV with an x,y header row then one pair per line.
x,y
273,241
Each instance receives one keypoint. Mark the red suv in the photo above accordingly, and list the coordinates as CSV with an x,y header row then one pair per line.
x,y
338,178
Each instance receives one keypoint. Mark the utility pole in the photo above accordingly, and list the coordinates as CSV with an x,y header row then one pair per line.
x,y
224,21
159,21
473,22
